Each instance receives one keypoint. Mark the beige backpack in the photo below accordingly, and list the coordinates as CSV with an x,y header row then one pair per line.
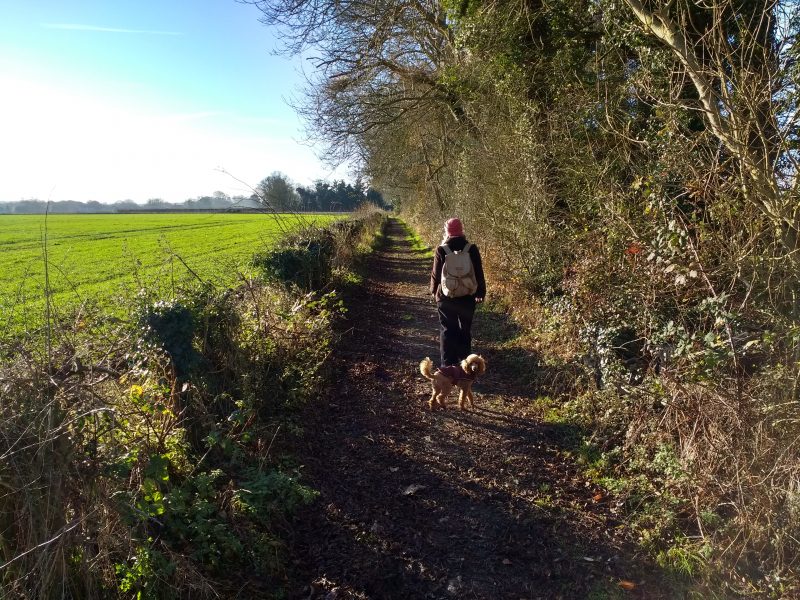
x,y
458,276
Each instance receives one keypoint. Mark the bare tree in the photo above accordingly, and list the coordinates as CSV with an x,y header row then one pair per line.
x,y
276,192
376,63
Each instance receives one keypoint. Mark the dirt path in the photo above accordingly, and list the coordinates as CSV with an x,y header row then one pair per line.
x,y
415,504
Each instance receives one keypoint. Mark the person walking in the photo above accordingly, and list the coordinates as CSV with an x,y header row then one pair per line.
x,y
457,284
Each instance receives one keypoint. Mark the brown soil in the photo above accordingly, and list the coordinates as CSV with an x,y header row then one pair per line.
x,y
446,504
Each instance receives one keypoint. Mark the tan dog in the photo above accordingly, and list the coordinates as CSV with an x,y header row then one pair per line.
x,y
443,380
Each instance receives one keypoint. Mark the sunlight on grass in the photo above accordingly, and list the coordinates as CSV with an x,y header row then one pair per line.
x,y
417,245
97,258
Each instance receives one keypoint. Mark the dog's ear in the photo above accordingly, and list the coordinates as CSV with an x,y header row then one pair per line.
x,y
480,365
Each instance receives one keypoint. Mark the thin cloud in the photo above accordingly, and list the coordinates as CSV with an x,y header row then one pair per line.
x,y
80,27
260,120
195,116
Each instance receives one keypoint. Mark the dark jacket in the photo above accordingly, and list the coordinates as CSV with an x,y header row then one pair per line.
x,y
456,244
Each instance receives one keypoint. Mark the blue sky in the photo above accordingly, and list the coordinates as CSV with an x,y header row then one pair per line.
x,y
113,99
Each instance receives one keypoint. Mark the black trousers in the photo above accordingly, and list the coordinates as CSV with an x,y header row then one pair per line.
x,y
455,332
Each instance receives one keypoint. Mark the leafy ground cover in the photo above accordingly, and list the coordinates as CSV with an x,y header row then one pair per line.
x,y
100,257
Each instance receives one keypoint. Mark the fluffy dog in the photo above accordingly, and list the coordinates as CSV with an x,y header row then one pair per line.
x,y
444,379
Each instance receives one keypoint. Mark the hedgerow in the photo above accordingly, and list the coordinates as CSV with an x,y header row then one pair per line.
x,y
144,458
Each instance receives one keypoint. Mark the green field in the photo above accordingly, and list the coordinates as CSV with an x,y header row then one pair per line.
x,y
101,258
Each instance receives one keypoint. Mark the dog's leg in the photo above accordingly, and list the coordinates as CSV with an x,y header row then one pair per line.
x,y
432,401
461,397
444,391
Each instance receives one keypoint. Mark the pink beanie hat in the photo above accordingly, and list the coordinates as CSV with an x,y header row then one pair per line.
x,y
454,228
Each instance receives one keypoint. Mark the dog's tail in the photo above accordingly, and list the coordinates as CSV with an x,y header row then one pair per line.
x,y
426,368
474,365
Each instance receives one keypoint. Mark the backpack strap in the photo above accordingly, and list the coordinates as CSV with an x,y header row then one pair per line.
x,y
464,249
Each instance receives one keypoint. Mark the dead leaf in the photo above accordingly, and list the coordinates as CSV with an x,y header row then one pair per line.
x,y
506,561
394,469
627,585
633,249
413,489
597,497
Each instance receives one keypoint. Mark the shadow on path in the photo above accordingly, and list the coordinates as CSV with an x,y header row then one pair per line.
x,y
450,504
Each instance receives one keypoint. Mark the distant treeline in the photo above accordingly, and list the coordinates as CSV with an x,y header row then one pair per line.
x,y
275,192
338,196
35,207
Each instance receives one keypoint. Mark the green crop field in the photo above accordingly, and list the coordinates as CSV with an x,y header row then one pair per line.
x,y
99,258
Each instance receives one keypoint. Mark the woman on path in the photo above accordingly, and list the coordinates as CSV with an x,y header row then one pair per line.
x,y
456,307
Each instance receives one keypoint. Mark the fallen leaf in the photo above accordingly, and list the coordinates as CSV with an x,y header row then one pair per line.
x,y
454,585
597,497
627,585
413,489
394,469
506,561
